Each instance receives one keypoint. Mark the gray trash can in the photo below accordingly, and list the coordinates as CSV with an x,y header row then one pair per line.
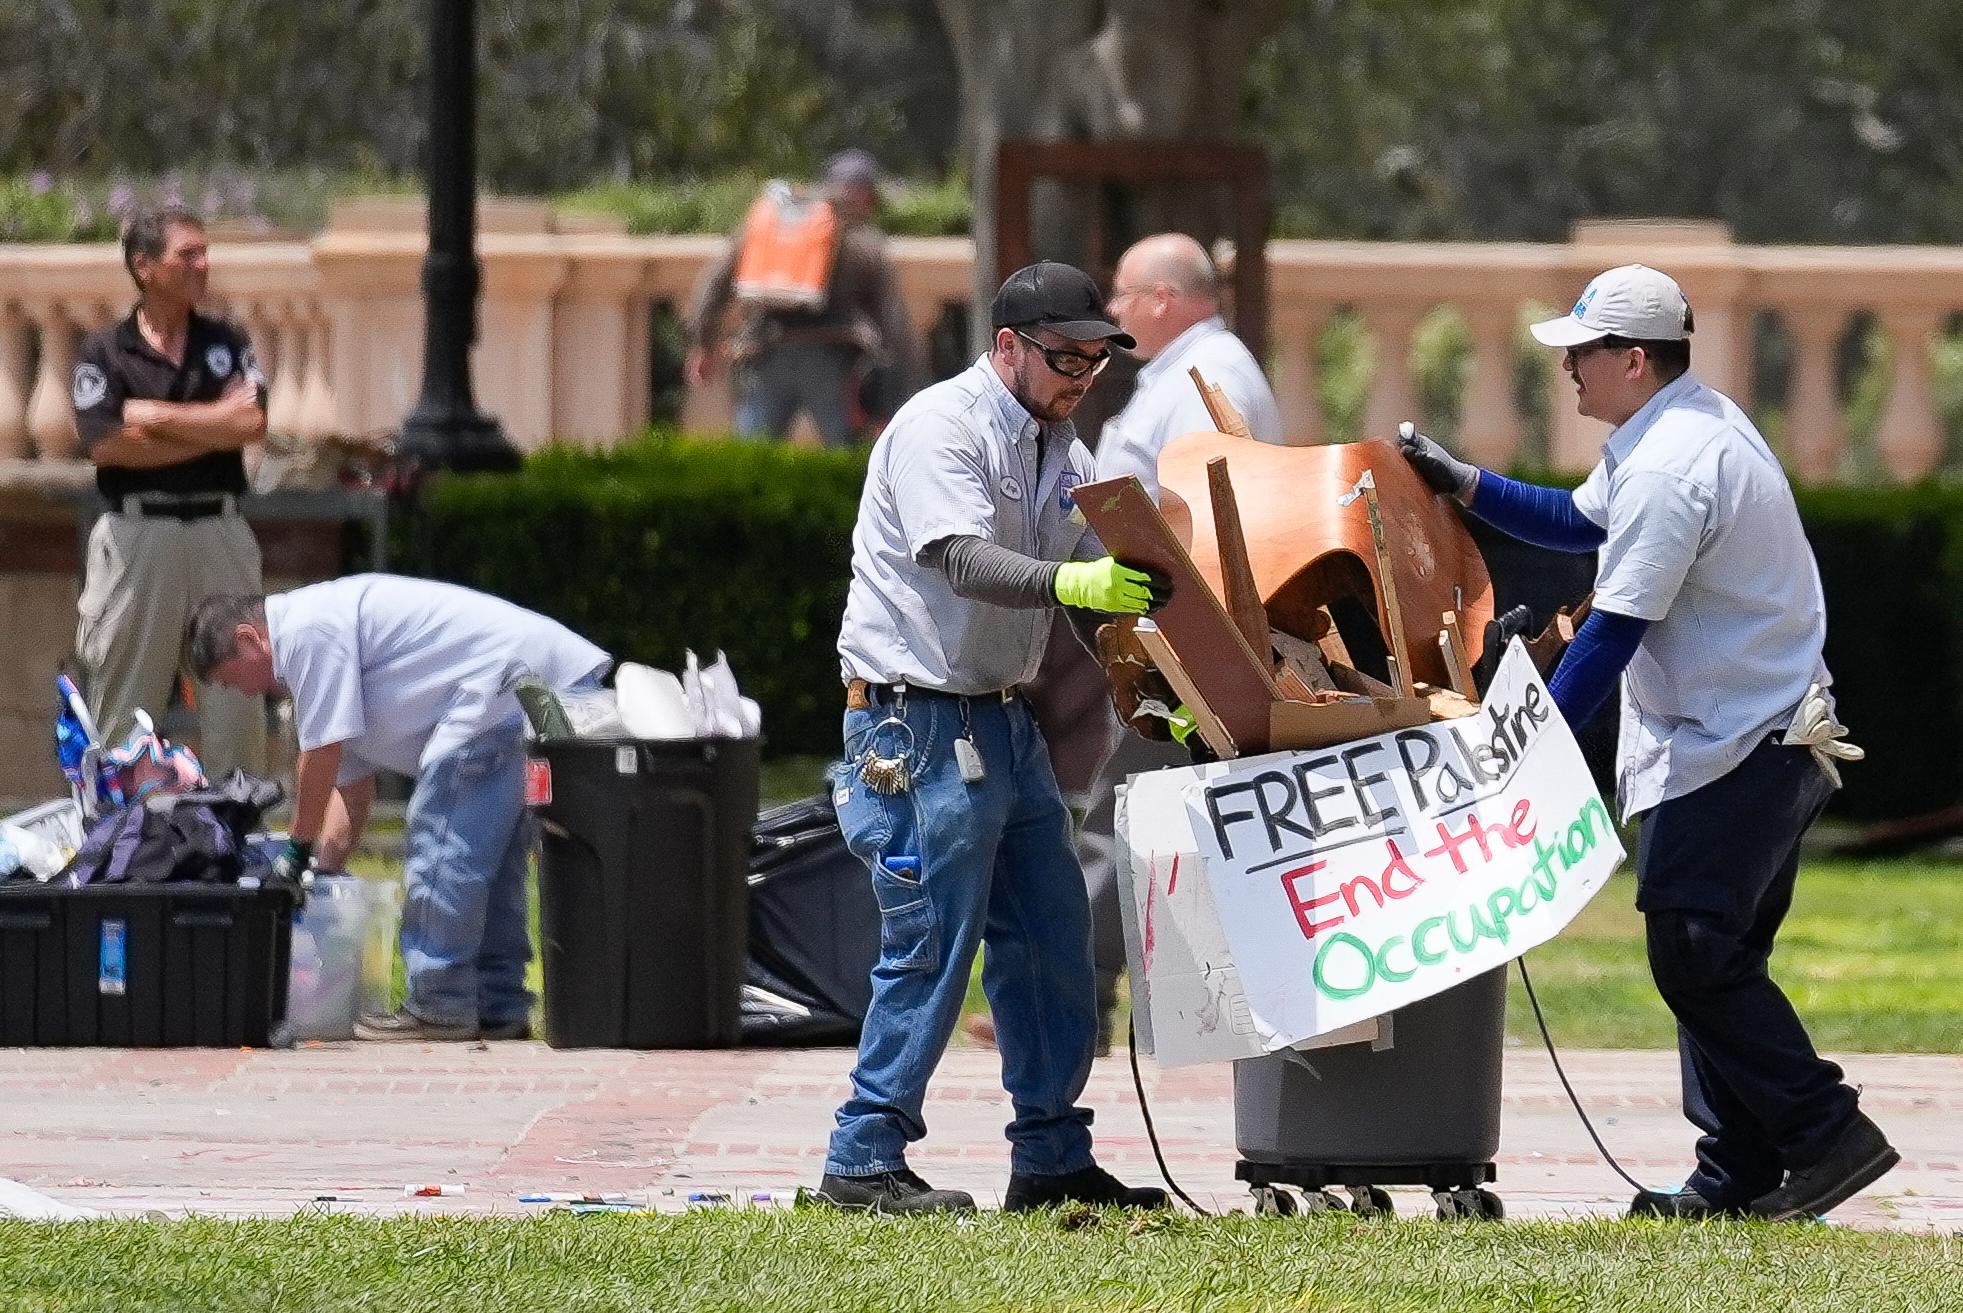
x,y
1425,1111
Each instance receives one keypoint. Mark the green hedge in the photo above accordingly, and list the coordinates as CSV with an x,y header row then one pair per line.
x,y
670,543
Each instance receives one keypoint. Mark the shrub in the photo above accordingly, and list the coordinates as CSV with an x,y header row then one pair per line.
x,y
669,543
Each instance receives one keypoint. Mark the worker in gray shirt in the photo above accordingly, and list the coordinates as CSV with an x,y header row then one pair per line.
x,y
967,536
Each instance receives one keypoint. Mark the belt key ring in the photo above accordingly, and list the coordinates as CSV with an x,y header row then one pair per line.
x,y
888,776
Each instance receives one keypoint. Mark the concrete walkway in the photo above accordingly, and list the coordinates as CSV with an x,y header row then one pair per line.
x,y
268,1132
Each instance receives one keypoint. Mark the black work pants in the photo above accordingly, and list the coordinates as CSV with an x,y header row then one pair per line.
x,y
1714,881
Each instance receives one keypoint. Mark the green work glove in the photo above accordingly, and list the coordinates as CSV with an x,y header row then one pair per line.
x,y
1106,585
1182,724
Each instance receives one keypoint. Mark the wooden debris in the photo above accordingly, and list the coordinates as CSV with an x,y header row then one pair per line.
x,y
1226,419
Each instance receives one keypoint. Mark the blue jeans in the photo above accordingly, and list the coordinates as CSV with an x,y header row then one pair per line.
x,y
783,380
996,867
465,943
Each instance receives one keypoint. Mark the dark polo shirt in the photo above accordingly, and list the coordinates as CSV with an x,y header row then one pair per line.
x,y
116,364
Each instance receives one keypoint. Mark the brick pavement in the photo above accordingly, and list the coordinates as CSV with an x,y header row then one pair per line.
x,y
265,1132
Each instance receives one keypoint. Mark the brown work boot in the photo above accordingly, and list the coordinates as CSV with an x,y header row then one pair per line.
x,y
980,1028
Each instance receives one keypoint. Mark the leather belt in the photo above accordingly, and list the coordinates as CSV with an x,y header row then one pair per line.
x,y
201,506
864,695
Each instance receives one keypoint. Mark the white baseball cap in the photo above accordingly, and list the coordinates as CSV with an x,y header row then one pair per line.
x,y
1630,300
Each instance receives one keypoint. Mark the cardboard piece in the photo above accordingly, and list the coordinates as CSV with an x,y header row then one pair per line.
x,y
1188,1005
1232,680
1256,922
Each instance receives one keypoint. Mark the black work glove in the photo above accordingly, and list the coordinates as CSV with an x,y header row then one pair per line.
x,y
292,862
1438,467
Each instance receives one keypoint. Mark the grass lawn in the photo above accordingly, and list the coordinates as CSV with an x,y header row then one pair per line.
x,y
1870,954
706,1261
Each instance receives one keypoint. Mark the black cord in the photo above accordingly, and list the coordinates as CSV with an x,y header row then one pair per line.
x,y
1151,1133
1573,1098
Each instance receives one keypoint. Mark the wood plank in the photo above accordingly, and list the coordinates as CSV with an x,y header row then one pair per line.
x,y
1457,664
1207,725
1236,575
1387,578
1226,419
1235,682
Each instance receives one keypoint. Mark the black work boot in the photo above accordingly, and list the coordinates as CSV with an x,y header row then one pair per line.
x,y
1092,1185
1859,1156
892,1192
1685,1205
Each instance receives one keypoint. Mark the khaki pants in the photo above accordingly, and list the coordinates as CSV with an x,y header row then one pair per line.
x,y
145,573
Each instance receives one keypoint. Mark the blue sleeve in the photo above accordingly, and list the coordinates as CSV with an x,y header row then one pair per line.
x,y
1546,517
1592,663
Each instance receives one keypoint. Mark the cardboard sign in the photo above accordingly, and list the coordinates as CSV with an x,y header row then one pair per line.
x,y
1343,883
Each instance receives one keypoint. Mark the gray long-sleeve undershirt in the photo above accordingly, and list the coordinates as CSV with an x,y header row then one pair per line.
x,y
987,572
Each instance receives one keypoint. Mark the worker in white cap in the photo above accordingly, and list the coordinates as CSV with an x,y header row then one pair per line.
x,y
1709,610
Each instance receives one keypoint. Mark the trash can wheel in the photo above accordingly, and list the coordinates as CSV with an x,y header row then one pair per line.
x,y
1272,1201
1371,1201
1471,1202
1277,1201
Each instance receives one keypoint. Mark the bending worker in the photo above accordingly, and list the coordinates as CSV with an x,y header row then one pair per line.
x,y
967,535
1708,606
416,677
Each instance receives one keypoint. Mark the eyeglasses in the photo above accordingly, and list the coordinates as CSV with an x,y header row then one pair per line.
x,y
1070,364
1599,344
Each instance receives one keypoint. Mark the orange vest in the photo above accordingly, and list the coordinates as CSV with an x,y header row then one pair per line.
x,y
789,243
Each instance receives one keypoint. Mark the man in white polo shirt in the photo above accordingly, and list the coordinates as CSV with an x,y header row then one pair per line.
x,y
1166,294
416,677
1708,606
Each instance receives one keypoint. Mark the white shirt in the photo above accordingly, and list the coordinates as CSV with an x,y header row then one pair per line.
x,y
1166,403
404,671
960,458
1705,543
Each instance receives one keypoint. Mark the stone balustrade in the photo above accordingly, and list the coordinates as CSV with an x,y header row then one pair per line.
x,y
567,314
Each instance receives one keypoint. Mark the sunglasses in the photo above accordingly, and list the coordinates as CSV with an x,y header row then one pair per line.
x,y
1070,364
1599,344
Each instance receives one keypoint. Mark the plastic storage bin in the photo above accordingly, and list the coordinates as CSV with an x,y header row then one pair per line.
x,y
335,943
1425,1111
643,908
146,966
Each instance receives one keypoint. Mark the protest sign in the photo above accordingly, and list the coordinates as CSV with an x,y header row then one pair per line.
x,y
1352,881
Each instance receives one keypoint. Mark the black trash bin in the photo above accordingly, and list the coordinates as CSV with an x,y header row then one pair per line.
x,y
643,913
1424,1111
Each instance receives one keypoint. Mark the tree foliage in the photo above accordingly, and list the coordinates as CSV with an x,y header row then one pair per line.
x,y
571,92
1792,120
1789,119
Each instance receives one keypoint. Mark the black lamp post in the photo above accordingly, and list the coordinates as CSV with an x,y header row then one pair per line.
x,y
446,430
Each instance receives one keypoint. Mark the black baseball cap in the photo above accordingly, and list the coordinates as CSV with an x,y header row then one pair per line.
x,y
1058,297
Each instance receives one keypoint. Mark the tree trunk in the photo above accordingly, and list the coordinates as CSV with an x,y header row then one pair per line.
x,y
1085,70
